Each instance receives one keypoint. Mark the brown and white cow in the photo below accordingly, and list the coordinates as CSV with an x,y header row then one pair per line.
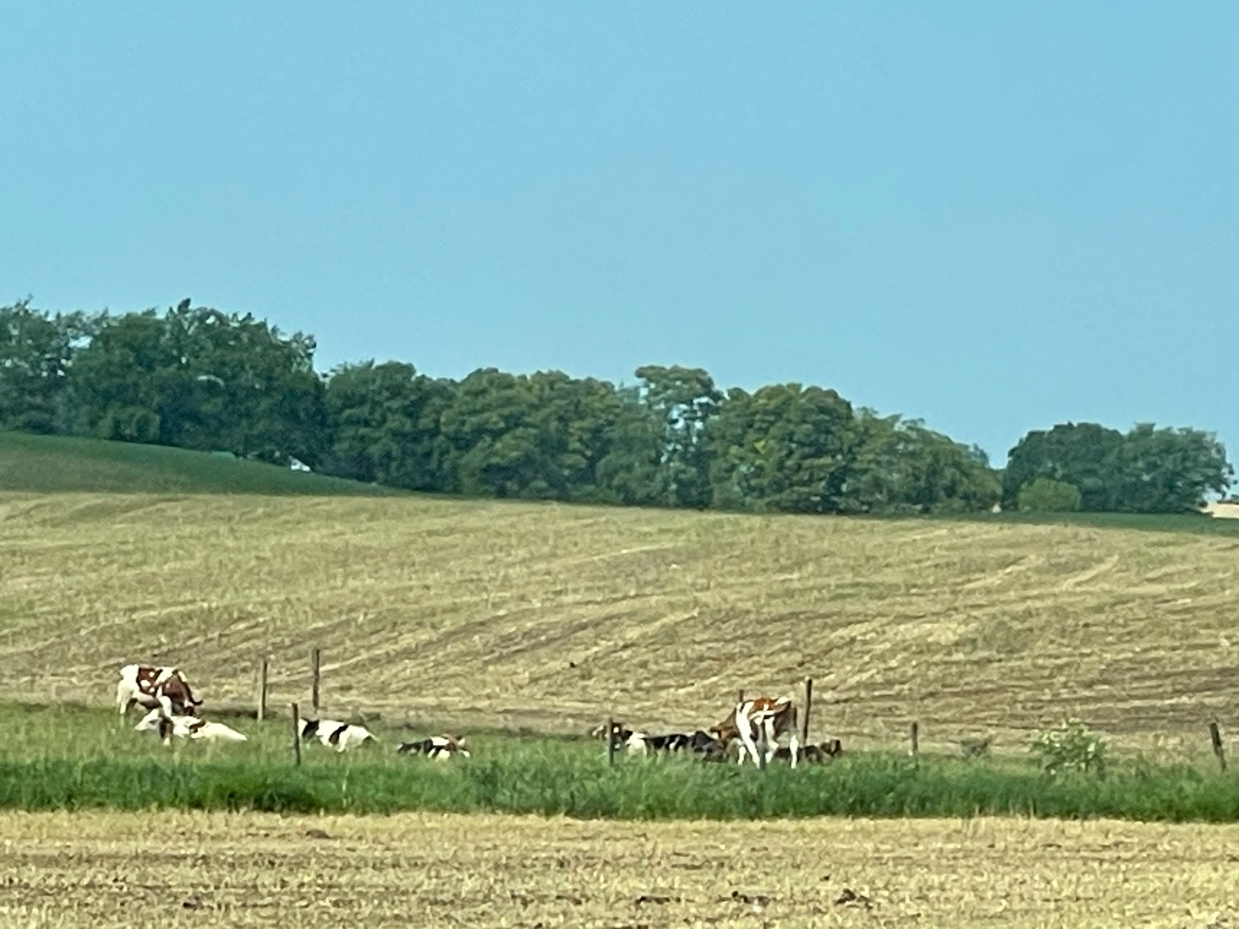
x,y
760,719
619,733
155,688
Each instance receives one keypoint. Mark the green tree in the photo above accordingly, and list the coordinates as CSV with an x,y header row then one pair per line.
x,y
784,448
385,426
36,352
630,472
1082,454
682,401
900,466
1168,470
1148,470
1046,495
198,378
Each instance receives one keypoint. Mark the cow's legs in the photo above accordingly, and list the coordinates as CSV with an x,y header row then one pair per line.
x,y
770,739
744,727
794,743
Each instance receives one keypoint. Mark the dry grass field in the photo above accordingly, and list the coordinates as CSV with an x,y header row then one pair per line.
x,y
485,613
201,870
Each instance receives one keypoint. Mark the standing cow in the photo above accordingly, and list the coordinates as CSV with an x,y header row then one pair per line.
x,y
155,688
762,719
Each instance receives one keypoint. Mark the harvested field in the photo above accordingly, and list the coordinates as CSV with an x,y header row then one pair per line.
x,y
203,870
481,613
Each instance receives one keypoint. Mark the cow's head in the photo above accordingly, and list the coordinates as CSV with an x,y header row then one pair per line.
x,y
619,732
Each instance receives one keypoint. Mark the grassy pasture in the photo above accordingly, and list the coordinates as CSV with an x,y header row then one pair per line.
x,y
434,870
67,758
488,614
57,464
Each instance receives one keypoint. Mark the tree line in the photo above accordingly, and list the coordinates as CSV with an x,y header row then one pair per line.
x,y
198,378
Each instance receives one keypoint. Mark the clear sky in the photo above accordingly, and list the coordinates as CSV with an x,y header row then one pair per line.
x,y
993,216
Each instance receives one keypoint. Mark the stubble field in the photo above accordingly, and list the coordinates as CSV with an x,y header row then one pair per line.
x,y
491,614
439,870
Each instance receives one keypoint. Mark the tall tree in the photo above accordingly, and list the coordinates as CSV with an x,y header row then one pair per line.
x,y
682,400
36,353
631,470
1074,453
784,448
1168,470
901,466
385,426
199,378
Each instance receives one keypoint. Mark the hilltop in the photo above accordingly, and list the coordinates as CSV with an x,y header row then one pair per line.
x,y
48,464
484,613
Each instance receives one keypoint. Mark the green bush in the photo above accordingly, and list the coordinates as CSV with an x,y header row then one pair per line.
x,y
1070,747
1049,496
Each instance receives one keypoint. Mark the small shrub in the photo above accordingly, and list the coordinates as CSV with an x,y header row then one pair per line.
x,y
1049,496
1070,747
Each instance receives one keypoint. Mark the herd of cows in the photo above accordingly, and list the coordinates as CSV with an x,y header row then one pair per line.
x,y
751,730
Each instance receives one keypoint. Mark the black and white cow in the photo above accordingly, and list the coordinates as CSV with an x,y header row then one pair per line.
x,y
335,734
699,743
439,747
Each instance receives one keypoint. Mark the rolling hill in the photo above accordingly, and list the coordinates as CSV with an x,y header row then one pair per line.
x,y
49,464
486,613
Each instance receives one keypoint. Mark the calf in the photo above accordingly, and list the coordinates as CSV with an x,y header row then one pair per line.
x,y
826,751
640,743
153,688
331,732
438,747
187,727
763,719
619,733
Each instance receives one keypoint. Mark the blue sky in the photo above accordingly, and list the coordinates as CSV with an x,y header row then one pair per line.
x,y
994,217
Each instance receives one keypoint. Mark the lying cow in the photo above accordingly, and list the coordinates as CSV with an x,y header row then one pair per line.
x,y
187,727
155,688
761,719
826,751
701,743
438,747
331,732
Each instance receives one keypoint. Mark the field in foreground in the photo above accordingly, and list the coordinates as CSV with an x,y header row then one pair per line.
x,y
435,870
485,613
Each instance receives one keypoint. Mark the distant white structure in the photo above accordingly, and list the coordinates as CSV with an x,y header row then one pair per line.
x,y
296,465
1226,508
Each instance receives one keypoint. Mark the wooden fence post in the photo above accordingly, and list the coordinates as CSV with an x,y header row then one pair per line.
x,y
739,696
808,707
914,734
762,747
262,690
610,741
296,736
316,663
1218,750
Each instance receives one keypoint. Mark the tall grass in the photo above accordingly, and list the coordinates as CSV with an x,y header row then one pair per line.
x,y
56,759
583,787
